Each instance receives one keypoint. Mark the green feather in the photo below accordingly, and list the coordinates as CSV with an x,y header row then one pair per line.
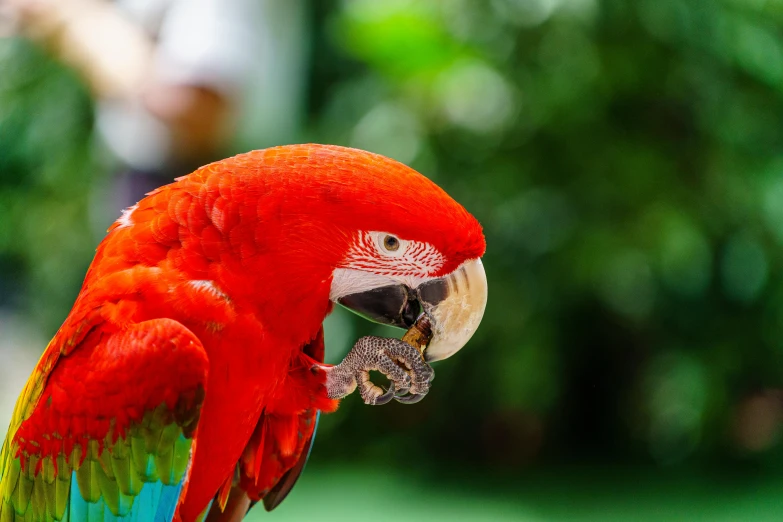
x,y
62,488
22,493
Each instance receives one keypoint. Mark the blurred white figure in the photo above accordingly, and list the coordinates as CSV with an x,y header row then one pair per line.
x,y
174,80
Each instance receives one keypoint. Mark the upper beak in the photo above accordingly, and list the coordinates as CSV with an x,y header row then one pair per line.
x,y
453,303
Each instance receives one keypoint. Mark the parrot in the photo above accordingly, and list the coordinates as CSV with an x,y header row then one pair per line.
x,y
186,382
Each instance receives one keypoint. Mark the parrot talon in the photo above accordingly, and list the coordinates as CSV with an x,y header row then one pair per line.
x,y
413,398
400,362
401,392
386,397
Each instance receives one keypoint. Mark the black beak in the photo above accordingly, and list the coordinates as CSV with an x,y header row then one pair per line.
x,y
393,305
396,305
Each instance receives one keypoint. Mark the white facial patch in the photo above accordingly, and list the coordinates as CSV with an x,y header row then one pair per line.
x,y
347,281
411,262
379,259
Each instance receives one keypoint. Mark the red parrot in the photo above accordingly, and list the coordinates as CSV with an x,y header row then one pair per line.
x,y
186,381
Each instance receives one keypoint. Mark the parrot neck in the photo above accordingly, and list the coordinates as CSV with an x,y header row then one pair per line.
x,y
290,299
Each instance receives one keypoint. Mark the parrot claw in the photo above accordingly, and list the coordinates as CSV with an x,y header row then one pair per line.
x,y
385,398
400,362
413,398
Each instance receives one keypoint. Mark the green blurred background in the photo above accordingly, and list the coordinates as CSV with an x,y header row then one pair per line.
x,y
626,162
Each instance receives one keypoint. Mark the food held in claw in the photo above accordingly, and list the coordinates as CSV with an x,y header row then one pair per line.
x,y
420,334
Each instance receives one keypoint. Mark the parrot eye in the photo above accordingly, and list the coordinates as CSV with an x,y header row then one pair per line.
x,y
386,244
391,243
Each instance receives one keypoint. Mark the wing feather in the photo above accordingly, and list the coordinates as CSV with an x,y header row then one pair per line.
x,y
281,443
103,430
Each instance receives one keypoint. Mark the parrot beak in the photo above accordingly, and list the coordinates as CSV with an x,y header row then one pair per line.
x,y
455,306
453,303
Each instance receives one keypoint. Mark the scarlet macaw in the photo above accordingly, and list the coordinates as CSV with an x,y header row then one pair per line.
x,y
186,381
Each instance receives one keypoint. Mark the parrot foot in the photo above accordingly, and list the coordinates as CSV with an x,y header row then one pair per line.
x,y
400,362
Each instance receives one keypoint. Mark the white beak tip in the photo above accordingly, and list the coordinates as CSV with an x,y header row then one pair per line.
x,y
457,317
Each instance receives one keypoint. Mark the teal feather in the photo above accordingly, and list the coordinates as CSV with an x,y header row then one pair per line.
x,y
155,502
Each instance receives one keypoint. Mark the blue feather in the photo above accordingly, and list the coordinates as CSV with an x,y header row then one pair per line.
x,y
155,502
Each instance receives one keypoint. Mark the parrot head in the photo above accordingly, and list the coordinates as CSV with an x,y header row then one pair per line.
x,y
398,245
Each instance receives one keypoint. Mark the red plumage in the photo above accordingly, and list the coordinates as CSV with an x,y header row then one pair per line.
x,y
239,253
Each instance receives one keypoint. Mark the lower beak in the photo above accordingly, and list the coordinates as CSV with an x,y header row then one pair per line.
x,y
453,303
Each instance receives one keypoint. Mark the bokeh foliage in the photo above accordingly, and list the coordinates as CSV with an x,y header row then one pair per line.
x,y
626,161
46,172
